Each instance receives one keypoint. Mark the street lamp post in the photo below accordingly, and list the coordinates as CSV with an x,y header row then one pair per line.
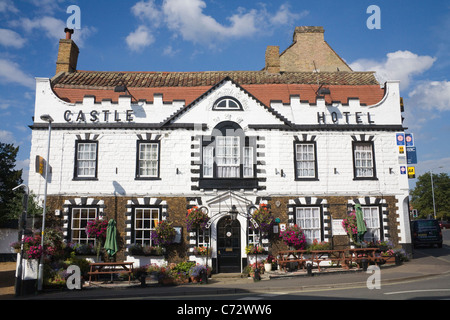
x,y
23,223
432,192
49,119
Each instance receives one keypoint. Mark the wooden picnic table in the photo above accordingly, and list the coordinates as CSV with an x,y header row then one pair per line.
x,y
338,256
358,255
110,268
288,256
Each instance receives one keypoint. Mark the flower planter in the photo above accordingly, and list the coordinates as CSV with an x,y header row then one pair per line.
x,y
140,261
29,274
252,258
267,267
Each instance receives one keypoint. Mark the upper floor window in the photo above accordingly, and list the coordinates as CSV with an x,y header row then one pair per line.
x,y
305,160
147,159
363,160
228,155
227,103
86,159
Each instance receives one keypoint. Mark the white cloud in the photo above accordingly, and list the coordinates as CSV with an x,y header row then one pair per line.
x,y
9,38
8,6
140,38
399,65
148,12
432,95
10,72
53,28
186,18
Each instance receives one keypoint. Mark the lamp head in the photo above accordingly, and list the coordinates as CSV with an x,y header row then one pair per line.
x,y
47,118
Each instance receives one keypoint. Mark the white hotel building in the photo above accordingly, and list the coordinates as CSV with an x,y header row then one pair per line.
x,y
306,135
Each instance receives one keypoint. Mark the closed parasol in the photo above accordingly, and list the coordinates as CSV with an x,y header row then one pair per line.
x,y
360,223
111,240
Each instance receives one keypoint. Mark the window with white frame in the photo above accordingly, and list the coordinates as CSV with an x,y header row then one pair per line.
x,y
228,157
79,220
305,160
363,158
372,218
203,237
145,221
227,103
308,218
248,162
147,159
86,159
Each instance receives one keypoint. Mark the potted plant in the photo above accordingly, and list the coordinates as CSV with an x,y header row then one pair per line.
x,y
268,262
294,237
197,273
196,219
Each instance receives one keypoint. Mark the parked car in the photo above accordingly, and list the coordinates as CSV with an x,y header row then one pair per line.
x,y
426,232
444,224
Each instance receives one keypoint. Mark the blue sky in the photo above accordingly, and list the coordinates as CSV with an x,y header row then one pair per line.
x,y
412,45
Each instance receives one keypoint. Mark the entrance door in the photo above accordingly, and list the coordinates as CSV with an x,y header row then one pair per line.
x,y
228,245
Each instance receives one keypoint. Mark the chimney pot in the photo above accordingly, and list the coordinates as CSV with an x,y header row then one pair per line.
x,y
69,33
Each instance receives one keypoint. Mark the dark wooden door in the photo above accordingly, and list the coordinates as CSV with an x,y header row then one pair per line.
x,y
228,245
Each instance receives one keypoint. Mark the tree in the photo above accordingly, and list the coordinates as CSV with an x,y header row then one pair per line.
x,y
422,196
9,177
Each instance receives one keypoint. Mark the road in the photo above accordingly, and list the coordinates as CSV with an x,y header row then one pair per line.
x,y
433,287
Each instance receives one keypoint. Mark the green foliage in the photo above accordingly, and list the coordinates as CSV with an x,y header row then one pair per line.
x,y
9,178
422,199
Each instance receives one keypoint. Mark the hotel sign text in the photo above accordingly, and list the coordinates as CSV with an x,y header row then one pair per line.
x,y
98,116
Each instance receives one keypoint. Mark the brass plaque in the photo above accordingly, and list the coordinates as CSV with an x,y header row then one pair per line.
x,y
229,249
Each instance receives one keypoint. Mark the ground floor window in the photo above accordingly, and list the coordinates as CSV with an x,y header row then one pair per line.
x,y
372,218
308,218
79,220
203,237
145,220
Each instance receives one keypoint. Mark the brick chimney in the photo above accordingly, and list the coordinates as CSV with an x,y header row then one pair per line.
x,y
67,54
310,52
273,59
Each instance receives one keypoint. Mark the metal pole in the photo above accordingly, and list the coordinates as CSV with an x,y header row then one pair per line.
x,y
41,261
23,223
432,191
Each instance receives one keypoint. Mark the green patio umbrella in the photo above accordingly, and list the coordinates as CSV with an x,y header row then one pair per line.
x,y
111,241
360,224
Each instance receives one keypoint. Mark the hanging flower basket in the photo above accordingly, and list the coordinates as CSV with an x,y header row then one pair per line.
x,y
350,226
264,219
97,229
164,234
196,219
294,237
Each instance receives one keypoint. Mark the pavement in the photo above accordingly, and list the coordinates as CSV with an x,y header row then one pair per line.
x,y
421,267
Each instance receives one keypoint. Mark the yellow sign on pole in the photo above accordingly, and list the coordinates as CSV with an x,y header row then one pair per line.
x,y
401,149
411,172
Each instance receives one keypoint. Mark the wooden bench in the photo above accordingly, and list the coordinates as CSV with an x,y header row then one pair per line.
x,y
290,256
98,268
